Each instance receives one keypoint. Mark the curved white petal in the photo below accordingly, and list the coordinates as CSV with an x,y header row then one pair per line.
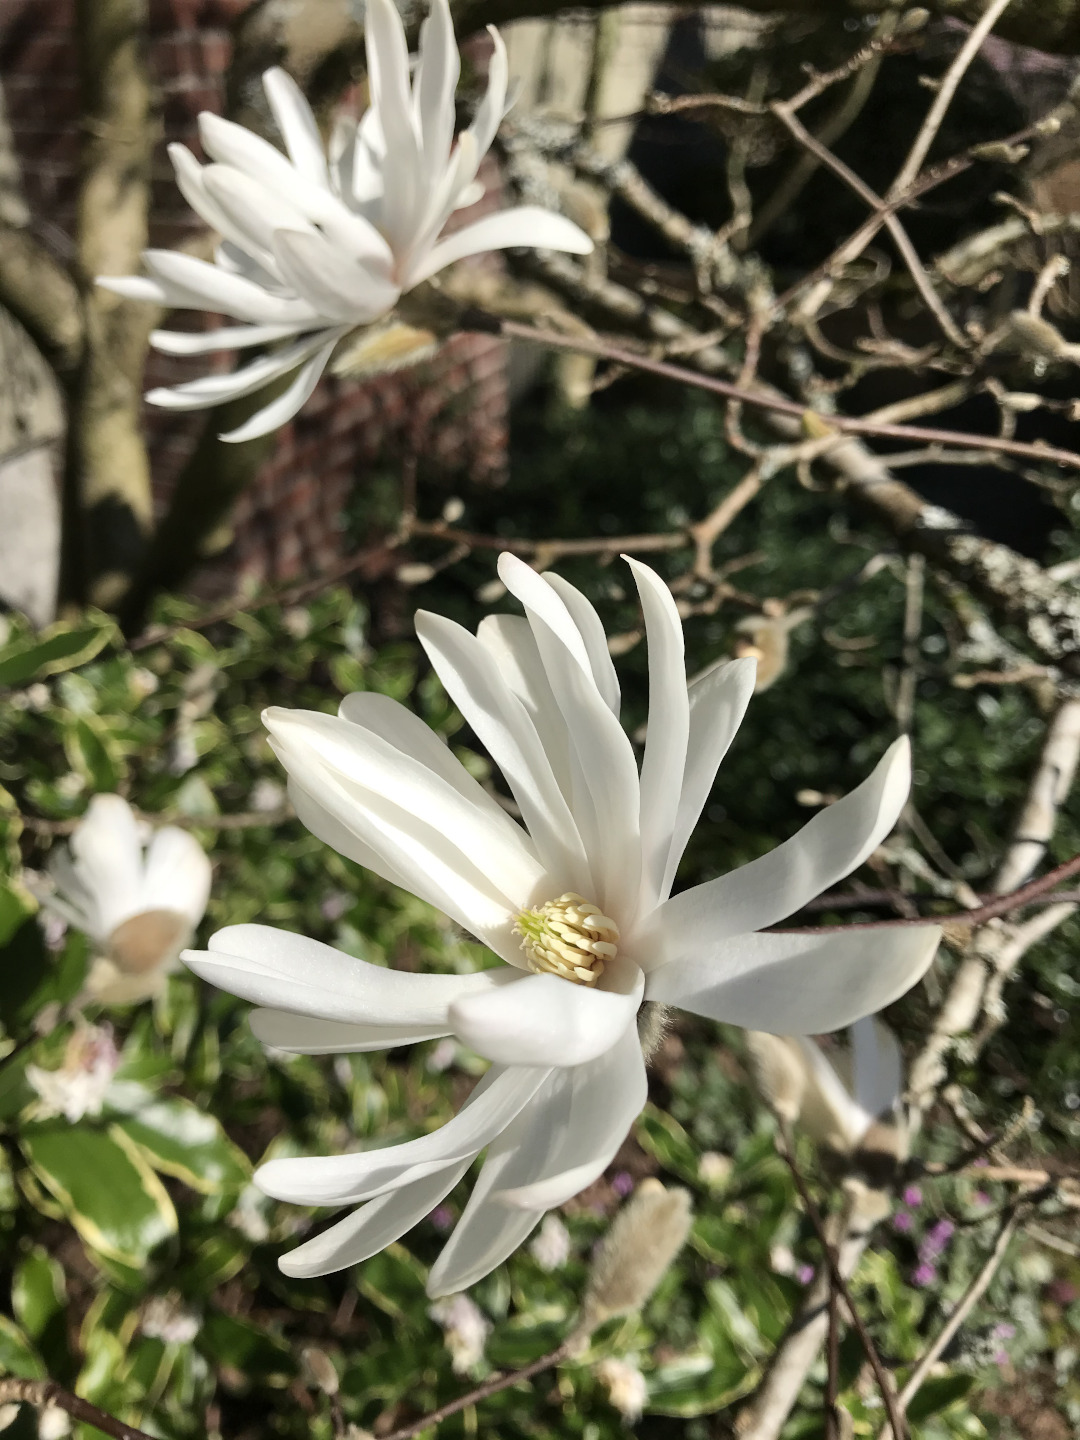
x,y
331,282
363,761
545,1020
191,182
562,1140
827,1109
199,285
253,210
231,144
877,1066
434,85
509,639
388,75
225,337
718,701
216,389
528,226
492,107
284,971
593,636
796,984
297,124
372,1227
664,764
473,678
283,407
107,857
605,786
342,1179
142,288
306,1035
177,874
835,842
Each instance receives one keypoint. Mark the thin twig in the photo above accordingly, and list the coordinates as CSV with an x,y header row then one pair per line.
x,y
492,1386
48,1392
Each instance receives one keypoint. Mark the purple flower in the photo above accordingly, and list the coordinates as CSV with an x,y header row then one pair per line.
x,y
936,1239
912,1196
902,1221
334,905
442,1217
1003,1330
923,1274
622,1182
804,1274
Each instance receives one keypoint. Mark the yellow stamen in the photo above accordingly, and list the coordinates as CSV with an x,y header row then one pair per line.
x,y
568,937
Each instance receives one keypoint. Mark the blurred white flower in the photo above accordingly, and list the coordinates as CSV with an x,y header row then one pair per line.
x,y
316,243
267,795
53,1423
835,1098
714,1169
575,901
551,1248
165,1318
625,1385
78,1087
249,1216
465,1330
140,909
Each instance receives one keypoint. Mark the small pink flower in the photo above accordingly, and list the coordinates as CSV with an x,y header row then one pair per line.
x,y
622,1182
902,1222
804,1274
923,1274
912,1196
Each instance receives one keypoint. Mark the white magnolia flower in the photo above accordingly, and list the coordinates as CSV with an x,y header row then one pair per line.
x,y
626,1387
574,901
835,1098
317,243
79,1086
164,1317
139,907
465,1330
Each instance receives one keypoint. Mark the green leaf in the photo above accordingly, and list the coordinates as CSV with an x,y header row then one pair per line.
x,y
16,906
253,1353
38,1291
179,1139
105,1187
90,755
698,1385
666,1140
60,647
17,1355
938,1394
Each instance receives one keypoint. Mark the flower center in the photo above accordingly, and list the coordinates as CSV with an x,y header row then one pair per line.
x,y
568,937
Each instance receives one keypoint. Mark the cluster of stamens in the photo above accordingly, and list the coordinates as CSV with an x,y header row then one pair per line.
x,y
568,937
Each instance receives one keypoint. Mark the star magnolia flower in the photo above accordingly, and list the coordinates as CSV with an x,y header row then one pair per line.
x,y
316,244
836,1099
574,901
79,1087
140,909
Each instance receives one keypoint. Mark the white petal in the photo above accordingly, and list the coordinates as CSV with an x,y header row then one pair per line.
x,y
877,1066
363,760
562,1140
140,287
342,1179
528,226
200,286
835,842
796,984
664,762
108,859
231,144
372,1227
718,701
471,675
492,108
226,337
177,875
283,407
593,637
216,389
291,972
332,282
304,1035
253,210
191,182
434,85
509,639
545,1020
388,75
605,801
297,124
827,1108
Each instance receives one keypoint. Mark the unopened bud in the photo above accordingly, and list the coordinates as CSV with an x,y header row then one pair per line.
x,y
319,1370
453,510
779,1073
415,573
913,21
635,1254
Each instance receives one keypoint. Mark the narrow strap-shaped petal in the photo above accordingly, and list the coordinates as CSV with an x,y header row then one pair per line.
x,y
470,673
664,764
343,1179
605,803
718,701
545,1020
307,1035
591,629
434,85
372,1227
332,283
796,984
528,226
253,209
225,337
296,123
283,407
492,107
198,285
510,641
833,844
232,144
214,389
388,74
191,182
177,874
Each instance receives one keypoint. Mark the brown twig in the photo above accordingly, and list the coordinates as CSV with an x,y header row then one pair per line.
x,y
48,1392
502,1381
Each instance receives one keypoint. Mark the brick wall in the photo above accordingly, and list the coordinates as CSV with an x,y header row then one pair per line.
x,y
451,411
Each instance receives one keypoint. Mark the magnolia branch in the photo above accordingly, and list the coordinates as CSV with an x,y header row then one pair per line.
x,y
43,1393
502,1381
